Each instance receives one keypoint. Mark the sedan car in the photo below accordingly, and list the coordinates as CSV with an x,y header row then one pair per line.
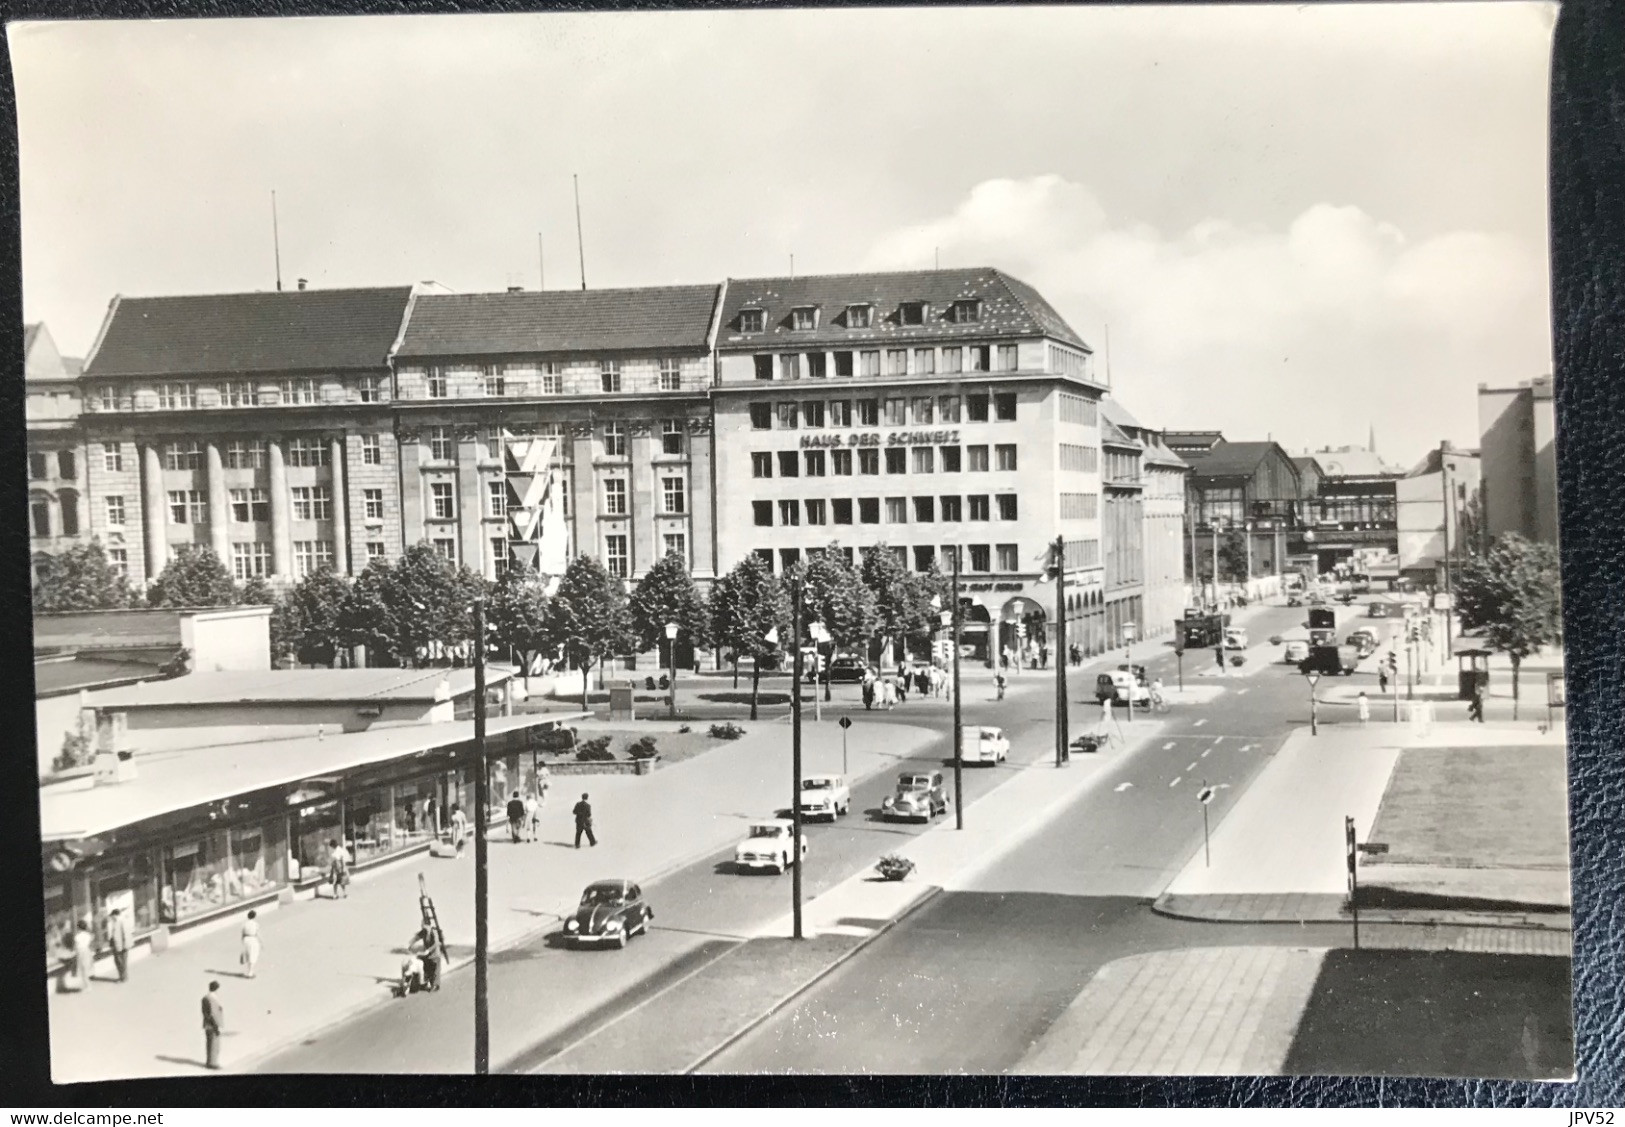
x,y
768,846
921,796
1364,640
846,670
983,744
1120,687
611,911
825,796
1296,651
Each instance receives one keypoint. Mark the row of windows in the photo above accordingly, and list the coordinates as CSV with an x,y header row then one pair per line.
x,y
498,380
40,464
982,558
898,459
861,315
248,453
1077,409
947,508
927,410
442,441
256,561
1079,506
956,359
1079,459
184,395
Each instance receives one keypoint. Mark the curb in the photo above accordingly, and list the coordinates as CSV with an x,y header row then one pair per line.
x,y
1419,918
920,901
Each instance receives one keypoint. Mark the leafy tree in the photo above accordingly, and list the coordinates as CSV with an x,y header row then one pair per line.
x,y
516,618
902,597
312,612
588,617
748,605
667,593
194,577
837,597
1512,594
80,578
256,592
412,612
1233,563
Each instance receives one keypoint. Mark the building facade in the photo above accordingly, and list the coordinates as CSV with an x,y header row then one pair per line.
x,y
1517,436
1142,529
1352,520
1246,492
52,407
1437,505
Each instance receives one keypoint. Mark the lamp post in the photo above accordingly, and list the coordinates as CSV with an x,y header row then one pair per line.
x,y
1061,734
1445,466
671,660
959,730
482,1015
1128,655
795,754
816,631
1314,718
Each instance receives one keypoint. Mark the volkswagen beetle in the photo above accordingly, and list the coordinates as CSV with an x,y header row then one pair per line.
x,y
611,911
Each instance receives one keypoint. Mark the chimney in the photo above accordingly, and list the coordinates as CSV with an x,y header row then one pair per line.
x,y
516,289
303,283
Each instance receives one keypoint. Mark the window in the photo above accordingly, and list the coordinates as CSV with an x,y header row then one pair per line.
x,y
868,412
39,467
953,359
69,503
841,508
896,510
1007,557
609,375
967,311
301,391
188,506
976,408
817,365
372,504
372,450
804,318
752,320
1079,459
981,558
815,463
492,441
948,409
869,363
178,456
921,409
860,316
251,505
841,462
446,547
564,491
979,509
789,464
442,505
1080,411
1004,456
495,383
925,459
1004,407
671,375
952,556
840,412
911,313
674,494
107,398
250,561
925,361
765,555
764,367
925,510
496,498
39,516
246,454
788,414
897,361
896,460
370,389
316,502
1007,506
868,510
375,550
615,440
113,457
978,458
114,507
789,366
236,393
953,508
817,512
812,413
843,363
176,397
790,513
788,558
868,460
761,464
950,459
762,513
976,358
437,383
311,556
1005,358
119,558
761,416
896,413
615,496
552,380
671,436
499,553
65,464
675,544
307,452
924,556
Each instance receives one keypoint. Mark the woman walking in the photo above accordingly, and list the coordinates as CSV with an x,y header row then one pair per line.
x,y
251,945
338,869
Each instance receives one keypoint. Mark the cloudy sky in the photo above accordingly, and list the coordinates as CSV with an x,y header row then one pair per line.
x,y
1296,221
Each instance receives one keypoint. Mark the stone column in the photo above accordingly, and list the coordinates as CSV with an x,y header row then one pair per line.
x,y
583,480
642,537
410,454
701,529
341,507
153,513
219,505
281,532
470,500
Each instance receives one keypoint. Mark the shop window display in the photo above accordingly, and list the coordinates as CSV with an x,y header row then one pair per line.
x,y
368,819
258,860
415,812
129,883
194,878
314,827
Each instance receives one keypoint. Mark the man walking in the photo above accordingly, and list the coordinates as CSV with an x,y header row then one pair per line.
x,y
214,1023
1475,707
533,817
1218,656
516,818
583,813
118,938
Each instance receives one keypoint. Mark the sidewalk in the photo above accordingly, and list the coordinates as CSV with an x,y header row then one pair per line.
x,y
328,960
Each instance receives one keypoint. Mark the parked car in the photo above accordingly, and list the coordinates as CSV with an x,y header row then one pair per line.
x,y
1235,638
825,796
1364,640
611,911
982,744
921,795
767,846
846,669
1380,610
1296,651
1120,686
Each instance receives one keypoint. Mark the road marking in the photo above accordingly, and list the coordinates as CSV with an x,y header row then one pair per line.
x,y
1175,783
1205,751
1218,740
1121,787
1192,767
1168,745
1200,722
1241,692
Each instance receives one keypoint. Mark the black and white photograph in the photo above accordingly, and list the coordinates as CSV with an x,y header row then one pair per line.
x,y
1010,541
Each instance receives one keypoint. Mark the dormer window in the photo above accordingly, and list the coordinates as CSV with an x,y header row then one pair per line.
x,y
752,320
804,317
860,316
911,313
966,312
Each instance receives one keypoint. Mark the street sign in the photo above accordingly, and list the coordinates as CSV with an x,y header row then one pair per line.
x,y
846,722
1373,847
1205,796
1556,692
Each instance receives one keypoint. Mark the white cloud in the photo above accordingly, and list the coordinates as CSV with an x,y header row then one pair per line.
x,y
1308,333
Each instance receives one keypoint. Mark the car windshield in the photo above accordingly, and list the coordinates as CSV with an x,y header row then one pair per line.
x,y
913,782
817,784
602,896
766,831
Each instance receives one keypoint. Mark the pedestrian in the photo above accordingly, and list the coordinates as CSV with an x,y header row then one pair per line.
x,y
338,869
1043,657
1076,653
1475,707
544,779
533,817
459,828
1365,709
583,813
1382,678
516,818
250,958
901,682
84,953
214,1024
1218,656
425,954
1004,658
118,938
888,693
868,689
999,682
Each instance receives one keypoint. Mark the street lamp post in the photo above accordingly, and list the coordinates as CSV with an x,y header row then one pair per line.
x,y
1450,598
959,729
1314,704
482,1015
1061,734
795,754
1128,655
671,658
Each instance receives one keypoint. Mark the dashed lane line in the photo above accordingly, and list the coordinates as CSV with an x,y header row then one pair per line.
x,y
1200,722
1168,746
1175,783
1205,751
1192,767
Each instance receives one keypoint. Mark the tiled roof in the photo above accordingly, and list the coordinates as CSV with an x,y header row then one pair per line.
x,y
30,331
299,330
488,324
1188,442
1232,459
1111,408
1009,307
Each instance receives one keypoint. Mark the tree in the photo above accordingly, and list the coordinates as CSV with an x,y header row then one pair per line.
x,y
194,577
1233,563
748,611
1512,594
588,617
413,612
312,612
516,618
667,593
80,578
256,592
902,597
1468,538
836,596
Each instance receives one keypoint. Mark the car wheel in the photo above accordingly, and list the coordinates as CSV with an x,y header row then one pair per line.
x,y
620,939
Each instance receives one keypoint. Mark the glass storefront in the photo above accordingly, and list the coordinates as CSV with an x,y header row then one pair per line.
x,y
129,883
259,860
312,828
369,824
194,878
60,918
416,808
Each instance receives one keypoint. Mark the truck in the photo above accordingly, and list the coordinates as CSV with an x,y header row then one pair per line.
x,y
1331,660
1198,631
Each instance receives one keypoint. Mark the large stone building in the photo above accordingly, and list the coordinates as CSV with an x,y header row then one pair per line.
x,y
1437,507
1250,493
1353,517
1517,433
56,446
1143,527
